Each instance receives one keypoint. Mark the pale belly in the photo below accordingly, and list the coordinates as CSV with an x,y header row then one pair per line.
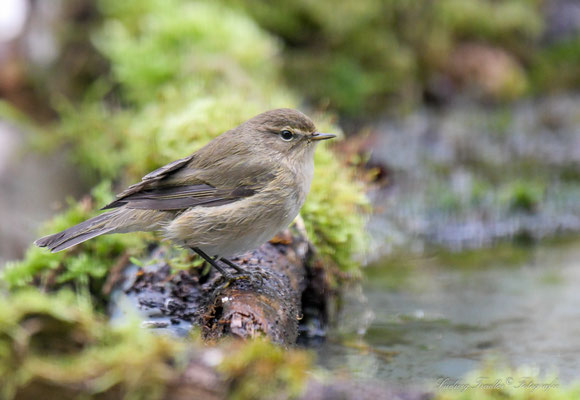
x,y
232,229
232,245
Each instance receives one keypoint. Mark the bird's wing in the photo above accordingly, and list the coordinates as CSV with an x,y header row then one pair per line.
x,y
175,186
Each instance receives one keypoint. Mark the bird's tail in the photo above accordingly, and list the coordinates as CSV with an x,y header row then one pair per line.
x,y
86,230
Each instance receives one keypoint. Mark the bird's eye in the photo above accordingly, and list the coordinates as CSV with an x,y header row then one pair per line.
x,y
286,135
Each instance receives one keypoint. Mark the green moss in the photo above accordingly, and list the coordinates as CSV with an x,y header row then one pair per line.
x,y
505,21
360,56
523,196
57,346
556,67
191,43
334,212
218,70
262,370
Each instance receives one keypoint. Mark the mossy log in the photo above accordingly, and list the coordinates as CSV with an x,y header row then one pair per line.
x,y
269,304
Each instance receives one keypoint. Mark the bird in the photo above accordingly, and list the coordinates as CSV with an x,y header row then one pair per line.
x,y
227,198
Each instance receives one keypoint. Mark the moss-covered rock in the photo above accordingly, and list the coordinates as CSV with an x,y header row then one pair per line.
x,y
56,346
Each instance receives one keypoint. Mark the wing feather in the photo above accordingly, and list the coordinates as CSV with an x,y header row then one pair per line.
x,y
181,197
150,179
163,190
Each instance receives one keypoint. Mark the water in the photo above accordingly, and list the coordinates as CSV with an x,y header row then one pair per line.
x,y
419,319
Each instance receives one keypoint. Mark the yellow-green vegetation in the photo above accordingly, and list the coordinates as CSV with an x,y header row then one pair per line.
x,y
56,346
184,73
556,67
504,255
523,195
361,56
495,383
250,371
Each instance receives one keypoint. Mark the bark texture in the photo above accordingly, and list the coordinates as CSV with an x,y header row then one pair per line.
x,y
268,302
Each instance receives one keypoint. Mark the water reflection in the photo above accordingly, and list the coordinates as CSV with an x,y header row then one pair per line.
x,y
433,317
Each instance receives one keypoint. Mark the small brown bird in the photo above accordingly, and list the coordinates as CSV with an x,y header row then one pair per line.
x,y
227,198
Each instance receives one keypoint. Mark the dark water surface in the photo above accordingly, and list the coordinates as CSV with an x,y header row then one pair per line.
x,y
416,320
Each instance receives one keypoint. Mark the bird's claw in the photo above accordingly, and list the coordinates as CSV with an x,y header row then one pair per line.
x,y
255,278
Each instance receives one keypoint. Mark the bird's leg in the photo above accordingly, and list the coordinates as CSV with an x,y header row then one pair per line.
x,y
212,262
241,273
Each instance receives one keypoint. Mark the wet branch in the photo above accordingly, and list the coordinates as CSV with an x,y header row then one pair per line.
x,y
246,308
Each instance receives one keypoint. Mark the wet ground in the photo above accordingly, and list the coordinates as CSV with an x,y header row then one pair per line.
x,y
417,320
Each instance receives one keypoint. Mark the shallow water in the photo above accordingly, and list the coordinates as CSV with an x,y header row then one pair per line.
x,y
416,320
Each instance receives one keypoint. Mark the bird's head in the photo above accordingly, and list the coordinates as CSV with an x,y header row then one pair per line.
x,y
284,132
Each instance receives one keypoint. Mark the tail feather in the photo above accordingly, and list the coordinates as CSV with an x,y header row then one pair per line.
x,y
77,234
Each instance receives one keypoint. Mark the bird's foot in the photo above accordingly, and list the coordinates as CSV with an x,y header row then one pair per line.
x,y
241,273
255,279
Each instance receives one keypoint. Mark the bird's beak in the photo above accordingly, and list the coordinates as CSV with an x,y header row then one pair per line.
x,y
322,136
